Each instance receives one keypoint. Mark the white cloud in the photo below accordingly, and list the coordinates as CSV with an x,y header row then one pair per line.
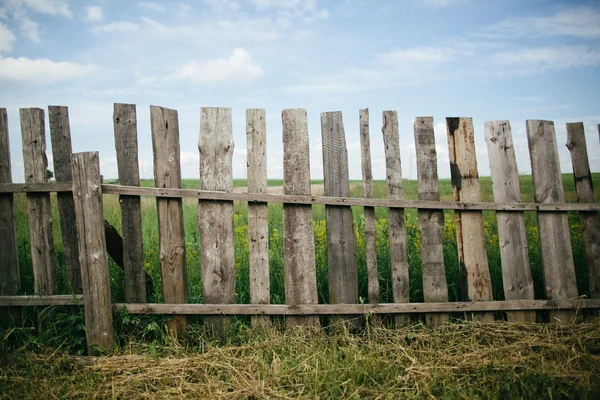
x,y
307,10
6,39
223,5
50,7
94,13
150,5
26,71
30,29
3,13
117,27
434,55
441,3
156,26
237,68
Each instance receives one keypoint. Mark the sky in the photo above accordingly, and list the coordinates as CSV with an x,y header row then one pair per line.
x,y
490,60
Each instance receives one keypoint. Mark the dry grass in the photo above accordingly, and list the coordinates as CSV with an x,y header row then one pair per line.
x,y
464,360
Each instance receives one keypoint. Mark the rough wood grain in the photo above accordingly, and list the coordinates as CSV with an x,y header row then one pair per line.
x,y
369,212
40,217
341,241
258,213
431,223
397,231
87,196
125,130
476,284
167,174
60,135
215,218
516,273
585,194
298,242
555,241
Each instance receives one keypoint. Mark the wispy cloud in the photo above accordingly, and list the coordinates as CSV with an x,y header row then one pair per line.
x,y
94,13
153,6
117,27
49,7
441,3
6,39
25,71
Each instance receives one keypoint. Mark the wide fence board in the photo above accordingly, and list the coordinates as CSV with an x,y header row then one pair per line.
x,y
298,243
167,174
258,213
590,225
516,273
341,240
126,144
554,234
397,231
60,135
35,164
476,284
215,218
431,222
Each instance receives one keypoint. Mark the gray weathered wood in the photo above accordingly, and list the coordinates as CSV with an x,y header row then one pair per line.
x,y
341,241
431,223
87,196
60,135
555,241
369,212
39,300
585,194
40,217
397,231
476,284
258,213
215,218
167,174
516,273
125,130
298,242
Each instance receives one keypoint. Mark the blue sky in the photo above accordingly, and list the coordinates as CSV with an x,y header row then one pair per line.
x,y
490,60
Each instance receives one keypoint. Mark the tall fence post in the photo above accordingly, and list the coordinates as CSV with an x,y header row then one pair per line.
x,y
87,196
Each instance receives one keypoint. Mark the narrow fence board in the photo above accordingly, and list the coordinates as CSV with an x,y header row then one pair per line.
x,y
585,194
40,216
431,223
298,240
258,213
476,284
167,174
38,300
341,241
555,241
60,135
516,273
126,144
215,219
397,231
369,212
87,196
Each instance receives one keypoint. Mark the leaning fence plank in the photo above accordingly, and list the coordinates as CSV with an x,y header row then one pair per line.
x,y
298,243
585,194
397,231
60,135
125,130
476,284
40,217
516,273
167,174
215,218
258,213
87,196
341,241
431,222
555,241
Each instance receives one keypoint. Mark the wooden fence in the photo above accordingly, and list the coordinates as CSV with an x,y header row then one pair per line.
x,y
80,191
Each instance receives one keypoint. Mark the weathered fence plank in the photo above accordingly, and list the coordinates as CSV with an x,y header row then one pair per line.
x,y
87,196
397,231
476,284
60,135
167,174
298,243
258,213
516,273
40,217
125,130
215,218
555,241
341,241
431,223
585,194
